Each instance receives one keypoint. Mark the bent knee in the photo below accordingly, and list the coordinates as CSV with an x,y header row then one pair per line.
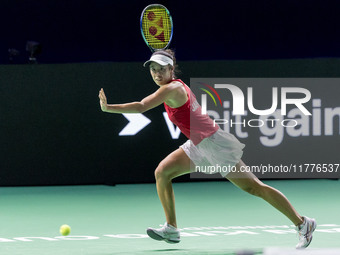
x,y
162,171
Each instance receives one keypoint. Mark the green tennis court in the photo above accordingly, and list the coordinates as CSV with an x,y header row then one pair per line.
x,y
215,218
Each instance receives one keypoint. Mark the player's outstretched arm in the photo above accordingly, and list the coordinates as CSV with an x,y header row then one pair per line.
x,y
149,102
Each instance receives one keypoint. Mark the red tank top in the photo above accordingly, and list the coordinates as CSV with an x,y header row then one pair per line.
x,y
189,119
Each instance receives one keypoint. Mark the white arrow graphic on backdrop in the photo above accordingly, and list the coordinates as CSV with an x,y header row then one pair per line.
x,y
137,122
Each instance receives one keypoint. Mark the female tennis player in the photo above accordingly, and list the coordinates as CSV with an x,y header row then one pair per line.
x,y
207,145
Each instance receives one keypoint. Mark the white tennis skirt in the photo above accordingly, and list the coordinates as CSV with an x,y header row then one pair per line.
x,y
215,154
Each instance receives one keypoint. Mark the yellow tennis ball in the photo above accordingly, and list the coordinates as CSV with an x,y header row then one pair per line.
x,y
65,230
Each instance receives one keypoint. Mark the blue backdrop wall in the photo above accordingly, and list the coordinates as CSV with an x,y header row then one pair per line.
x,y
52,130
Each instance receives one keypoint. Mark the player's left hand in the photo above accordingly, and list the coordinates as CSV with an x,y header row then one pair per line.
x,y
103,100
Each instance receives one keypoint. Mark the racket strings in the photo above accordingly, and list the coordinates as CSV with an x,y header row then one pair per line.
x,y
157,27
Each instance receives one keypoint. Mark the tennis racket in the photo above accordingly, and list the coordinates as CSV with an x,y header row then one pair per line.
x,y
156,27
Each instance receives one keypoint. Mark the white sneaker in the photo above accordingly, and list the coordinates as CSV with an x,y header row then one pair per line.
x,y
167,233
305,231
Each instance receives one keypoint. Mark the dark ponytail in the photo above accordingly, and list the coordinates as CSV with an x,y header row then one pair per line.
x,y
176,69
